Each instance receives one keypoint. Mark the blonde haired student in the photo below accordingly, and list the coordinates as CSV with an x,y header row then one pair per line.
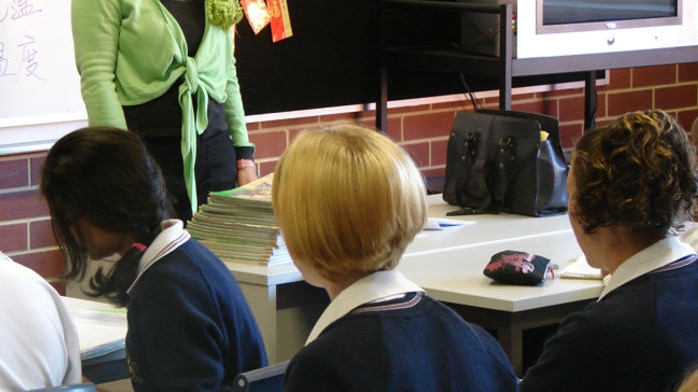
x,y
348,201
690,383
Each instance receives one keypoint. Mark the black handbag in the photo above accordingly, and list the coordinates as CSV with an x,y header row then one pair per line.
x,y
500,161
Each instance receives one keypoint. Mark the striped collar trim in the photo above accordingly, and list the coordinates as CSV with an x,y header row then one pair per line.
x,y
655,256
371,289
384,307
170,238
680,263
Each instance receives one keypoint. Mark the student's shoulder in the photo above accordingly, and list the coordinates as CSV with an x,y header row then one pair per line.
x,y
341,355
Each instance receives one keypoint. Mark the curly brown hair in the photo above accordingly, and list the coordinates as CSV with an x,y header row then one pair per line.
x,y
639,171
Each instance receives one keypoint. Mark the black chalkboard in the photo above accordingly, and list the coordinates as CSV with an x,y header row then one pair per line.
x,y
332,59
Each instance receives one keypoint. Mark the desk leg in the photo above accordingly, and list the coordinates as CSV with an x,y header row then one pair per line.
x,y
511,339
509,327
285,315
262,301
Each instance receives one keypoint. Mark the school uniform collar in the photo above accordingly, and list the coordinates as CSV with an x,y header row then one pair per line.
x,y
657,255
376,286
170,238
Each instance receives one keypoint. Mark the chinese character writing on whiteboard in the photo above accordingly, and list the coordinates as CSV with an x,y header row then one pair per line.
x,y
22,8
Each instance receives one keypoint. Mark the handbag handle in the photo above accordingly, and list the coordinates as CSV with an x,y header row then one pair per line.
x,y
507,154
477,175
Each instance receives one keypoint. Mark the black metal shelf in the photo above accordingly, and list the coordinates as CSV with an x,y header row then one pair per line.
x,y
451,59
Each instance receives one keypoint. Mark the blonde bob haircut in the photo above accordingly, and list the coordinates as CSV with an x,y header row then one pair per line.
x,y
348,200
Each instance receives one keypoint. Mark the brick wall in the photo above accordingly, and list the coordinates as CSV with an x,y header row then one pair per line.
x,y
25,232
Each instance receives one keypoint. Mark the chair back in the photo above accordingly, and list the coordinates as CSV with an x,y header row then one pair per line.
x,y
267,379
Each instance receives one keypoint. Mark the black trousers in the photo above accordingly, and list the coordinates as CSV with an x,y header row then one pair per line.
x,y
215,169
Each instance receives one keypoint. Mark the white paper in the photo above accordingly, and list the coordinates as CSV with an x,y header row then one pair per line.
x,y
580,269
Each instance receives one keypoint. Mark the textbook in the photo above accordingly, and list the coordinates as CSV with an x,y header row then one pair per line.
x,y
238,225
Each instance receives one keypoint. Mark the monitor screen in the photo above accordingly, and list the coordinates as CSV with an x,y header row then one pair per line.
x,y
556,12
548,28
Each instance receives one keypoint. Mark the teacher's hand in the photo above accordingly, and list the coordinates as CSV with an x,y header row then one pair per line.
x,y
247,175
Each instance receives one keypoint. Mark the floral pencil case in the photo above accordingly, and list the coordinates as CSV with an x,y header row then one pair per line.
x,y
519,268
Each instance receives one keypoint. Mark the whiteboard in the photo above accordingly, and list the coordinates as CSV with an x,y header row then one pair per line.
x,y
39,83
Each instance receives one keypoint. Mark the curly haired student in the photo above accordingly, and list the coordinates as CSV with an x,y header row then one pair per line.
x,y
631,182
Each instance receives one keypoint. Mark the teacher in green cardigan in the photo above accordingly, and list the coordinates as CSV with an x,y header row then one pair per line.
x,y
165,69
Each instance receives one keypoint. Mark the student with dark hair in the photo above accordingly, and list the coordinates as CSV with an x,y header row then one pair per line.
x,y
631,182
348,201
189,326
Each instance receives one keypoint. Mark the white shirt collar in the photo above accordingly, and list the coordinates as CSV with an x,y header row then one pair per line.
x,y
378,285
170,238
655,256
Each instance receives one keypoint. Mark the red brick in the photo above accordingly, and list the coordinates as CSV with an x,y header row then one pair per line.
x,y
620,103
427,125
48,263
522,97
290,122
688,72
419,153
253,126
269,144
37,165
402,110
530,106
550,94
455,106
368,121
13,237
654,76
686,118
570,133
265,168
618,79
571,109
676,97
340,117
14,173
394,130
438,152
41,234
601,105
22,205
60,287
292,133
434,173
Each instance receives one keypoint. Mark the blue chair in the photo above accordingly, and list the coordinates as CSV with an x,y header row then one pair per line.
x,y
266,379
87,387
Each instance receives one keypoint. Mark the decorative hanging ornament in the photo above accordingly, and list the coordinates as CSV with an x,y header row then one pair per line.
x,y
223,13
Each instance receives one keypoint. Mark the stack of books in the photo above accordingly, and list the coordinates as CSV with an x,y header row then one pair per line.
x,y
239,225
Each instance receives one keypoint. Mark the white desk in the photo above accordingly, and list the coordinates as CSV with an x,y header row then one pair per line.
x,y
454,276
448,264
102,331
